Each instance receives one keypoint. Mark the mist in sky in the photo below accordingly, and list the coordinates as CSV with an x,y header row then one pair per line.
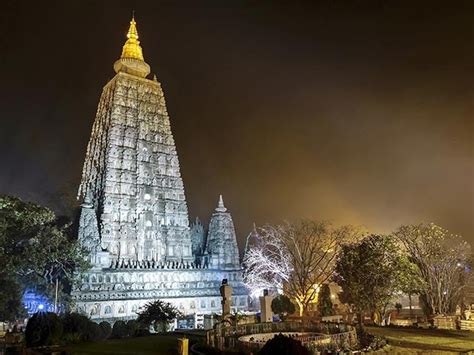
x,y
353,112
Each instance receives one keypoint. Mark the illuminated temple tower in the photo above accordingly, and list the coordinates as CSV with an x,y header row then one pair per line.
x,y
134,216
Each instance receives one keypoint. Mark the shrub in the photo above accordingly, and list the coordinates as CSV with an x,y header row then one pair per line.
x,y
283,345
106,329
329,348
43,328
132,328
142,331
368,341
119,330
158,314
282,306
76,328
325,306
94,332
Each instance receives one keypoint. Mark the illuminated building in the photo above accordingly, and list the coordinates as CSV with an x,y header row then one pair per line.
x,y
134,218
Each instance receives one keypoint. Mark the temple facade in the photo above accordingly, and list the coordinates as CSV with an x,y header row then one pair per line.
x,y
134,217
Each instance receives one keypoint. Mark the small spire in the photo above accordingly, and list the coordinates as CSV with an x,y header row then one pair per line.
x,y
220,205
132,30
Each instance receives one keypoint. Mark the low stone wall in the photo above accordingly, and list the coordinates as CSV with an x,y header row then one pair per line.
x,y
227,337
466,325
254,342
402,322
335,319
445,322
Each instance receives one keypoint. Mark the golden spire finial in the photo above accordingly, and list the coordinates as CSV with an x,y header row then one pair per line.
x,y
131,61
131,48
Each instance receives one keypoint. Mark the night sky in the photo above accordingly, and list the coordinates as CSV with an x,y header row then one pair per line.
x,y
355,112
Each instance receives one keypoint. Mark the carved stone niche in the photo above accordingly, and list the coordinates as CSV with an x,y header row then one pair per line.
x,y
102,259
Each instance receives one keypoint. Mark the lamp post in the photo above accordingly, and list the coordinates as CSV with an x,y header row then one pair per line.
x,y
56,297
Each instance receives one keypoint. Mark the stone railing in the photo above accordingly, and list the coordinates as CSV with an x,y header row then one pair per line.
x,y
323,339
227,337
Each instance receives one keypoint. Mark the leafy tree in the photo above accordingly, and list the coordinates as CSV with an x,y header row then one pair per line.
x,y
410,280
10,298
36,248
283,345
158,314
368,273
282,306
294,259
324,301
442,261
42,329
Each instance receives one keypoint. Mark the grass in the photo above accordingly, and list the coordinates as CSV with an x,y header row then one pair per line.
x,y
401,340
153,344
426,340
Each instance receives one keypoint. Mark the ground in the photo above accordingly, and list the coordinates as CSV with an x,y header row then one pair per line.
x,y
153,344
401,340
424,341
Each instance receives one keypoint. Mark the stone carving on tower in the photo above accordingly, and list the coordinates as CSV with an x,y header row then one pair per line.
x,y
197,237
132,168
88,229
134,218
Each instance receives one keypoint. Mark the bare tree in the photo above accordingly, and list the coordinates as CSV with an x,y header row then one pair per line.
x,y
294,258
442,259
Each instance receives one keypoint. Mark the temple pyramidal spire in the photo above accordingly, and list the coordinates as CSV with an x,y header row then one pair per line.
x,y
134,217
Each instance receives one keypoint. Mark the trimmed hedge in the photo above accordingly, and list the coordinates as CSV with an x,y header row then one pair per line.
x,y
106,329
77,327
283,345
43,329
48,329
133,328
119,330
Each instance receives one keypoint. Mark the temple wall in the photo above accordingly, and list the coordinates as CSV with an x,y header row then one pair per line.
x,y
119,294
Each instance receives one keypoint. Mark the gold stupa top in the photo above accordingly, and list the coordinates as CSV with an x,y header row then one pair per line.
x,y
131,61
131,48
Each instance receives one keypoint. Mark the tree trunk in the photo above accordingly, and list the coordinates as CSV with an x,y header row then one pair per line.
x,y
409,299
377,317
300,309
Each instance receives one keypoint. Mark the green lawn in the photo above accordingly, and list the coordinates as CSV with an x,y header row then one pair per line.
x,y
427,340
153,344
401,340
